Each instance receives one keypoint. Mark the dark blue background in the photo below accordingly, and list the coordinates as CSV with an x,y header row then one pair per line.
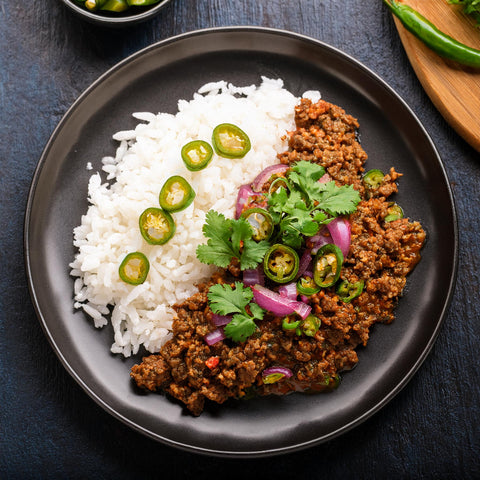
x,y
49,428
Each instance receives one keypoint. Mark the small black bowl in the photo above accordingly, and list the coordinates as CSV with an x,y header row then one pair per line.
x,y
129,17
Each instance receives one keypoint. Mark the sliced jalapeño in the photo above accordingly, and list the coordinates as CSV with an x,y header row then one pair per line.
x,y
156,226
289,324
310,325
394,212
373,179
260,221
279,182
230,141
281,263
134,268
176,194
196,155
348,291
307,286
327,265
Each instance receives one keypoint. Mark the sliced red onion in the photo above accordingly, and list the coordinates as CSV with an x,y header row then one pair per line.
x,y
339,229
319,240
286,372
305,260
244,192
215,336
303,309
265,175
253,277
304,298
325,178
272,301
220,320
289,291
278,305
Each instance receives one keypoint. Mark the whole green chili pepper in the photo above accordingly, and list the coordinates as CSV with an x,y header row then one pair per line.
x,y
93,5
141,3
432,37
114,6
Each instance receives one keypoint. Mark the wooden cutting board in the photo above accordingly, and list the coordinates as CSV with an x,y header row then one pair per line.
x,y
454,89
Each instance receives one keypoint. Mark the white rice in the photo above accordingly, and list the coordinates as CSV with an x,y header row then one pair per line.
x,y
145,158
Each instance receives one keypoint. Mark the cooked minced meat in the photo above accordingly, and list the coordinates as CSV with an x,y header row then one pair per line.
x,y
381,254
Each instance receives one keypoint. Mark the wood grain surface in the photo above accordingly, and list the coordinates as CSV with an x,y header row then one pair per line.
x,y
453,88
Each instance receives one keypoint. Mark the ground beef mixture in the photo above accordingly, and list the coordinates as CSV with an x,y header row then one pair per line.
x,y
382,254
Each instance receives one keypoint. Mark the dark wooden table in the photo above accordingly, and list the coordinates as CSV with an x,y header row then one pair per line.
x,y
49,428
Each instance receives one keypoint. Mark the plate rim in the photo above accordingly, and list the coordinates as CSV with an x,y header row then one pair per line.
x,y
146,431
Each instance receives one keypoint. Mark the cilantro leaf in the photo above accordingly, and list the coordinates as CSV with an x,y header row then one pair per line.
x,y
305,176
216,226
276,202
309,170
321,217
215,252
253,253
257,311
240,327
307,204
241,230
292,238
227,239
225,300
338,200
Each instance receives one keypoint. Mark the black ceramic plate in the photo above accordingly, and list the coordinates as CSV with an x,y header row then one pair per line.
x,y
153,80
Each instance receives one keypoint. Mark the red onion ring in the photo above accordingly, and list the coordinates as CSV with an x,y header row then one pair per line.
x,y
244,193
278,305
273,370
265,175
340,230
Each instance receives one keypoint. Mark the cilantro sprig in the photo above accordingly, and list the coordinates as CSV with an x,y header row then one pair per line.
x,y
470,7
308,204
297,211
224,300
227,239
